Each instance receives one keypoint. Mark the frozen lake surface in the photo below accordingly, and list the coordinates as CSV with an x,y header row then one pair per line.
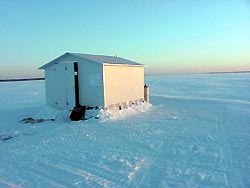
x,y
196,134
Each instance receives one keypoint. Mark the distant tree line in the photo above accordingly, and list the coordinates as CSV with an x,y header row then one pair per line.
x,y
20,79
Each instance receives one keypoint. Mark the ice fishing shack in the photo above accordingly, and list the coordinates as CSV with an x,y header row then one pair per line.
x,y
93,80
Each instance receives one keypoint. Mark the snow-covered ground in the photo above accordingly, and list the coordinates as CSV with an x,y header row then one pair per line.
x,y
195,134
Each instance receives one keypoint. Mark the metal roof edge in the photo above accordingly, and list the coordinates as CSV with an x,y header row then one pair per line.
x,y
54,60
127,65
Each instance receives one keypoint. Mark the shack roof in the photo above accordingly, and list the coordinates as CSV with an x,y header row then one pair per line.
x,y
103,59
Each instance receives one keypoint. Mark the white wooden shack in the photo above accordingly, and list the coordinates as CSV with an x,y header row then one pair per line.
x,y
93,80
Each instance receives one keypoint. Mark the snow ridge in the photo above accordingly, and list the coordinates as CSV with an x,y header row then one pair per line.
x,y
204,98
106,115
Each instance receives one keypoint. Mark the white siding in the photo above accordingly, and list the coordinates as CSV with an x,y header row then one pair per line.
x,y
91,83
123,83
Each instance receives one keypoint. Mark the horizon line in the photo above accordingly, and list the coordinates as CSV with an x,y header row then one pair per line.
x,y
165,74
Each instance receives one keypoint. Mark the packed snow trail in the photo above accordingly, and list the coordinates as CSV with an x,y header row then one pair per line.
x,y
178,142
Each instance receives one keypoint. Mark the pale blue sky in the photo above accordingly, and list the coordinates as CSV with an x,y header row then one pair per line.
x,y
170,36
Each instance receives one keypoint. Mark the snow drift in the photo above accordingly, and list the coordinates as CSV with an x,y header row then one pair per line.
x,y
140,107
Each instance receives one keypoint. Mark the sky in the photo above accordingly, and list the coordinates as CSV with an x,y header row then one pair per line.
x,y
168,36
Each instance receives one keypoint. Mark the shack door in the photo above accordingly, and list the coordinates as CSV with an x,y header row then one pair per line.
x,y
70,85
64,86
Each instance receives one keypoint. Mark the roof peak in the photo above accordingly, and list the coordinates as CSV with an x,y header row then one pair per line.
x,y
77,53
